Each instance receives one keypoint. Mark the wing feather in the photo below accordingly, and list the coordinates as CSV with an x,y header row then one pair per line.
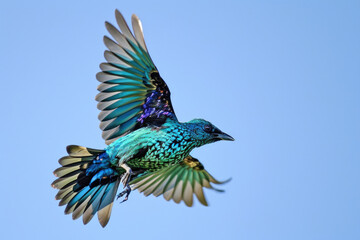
x,y
178,182
123,26
130,83
117,50
118,36
137,26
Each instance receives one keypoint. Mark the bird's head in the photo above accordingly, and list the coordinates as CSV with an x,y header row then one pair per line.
x,y
205,132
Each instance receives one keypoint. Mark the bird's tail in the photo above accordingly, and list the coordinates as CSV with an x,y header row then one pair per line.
x,y
87,183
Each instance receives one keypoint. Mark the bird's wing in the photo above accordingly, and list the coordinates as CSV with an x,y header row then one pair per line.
x,y
178,182
132,93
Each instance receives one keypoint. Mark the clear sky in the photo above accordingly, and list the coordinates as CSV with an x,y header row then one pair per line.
x,y
282,78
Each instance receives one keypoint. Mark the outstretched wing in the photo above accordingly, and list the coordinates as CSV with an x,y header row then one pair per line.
x,y
178,182
132,93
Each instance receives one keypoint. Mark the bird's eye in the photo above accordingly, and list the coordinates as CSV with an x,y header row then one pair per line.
x,y
207,128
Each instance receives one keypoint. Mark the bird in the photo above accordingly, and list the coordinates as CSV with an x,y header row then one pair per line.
x,y
147,147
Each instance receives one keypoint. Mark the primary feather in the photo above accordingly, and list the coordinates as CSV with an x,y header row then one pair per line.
x,y
148,148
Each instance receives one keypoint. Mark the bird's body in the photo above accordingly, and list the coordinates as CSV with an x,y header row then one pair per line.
x,y
155,147
148,147
167,144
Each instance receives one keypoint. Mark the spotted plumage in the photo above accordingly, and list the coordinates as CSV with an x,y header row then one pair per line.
x,y
148,148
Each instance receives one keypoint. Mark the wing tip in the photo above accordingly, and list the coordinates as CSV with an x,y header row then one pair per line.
x,y
117,12
134,17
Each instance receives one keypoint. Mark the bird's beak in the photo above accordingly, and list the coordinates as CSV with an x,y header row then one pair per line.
x,y
223,136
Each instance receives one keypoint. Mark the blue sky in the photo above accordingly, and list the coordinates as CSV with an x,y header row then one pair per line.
x,y
283,78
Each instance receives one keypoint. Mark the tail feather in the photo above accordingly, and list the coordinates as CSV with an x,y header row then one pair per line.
x,y
78,151
63,183
62,193
87,184
107,203
93,205
68,160
83,202
66,199
67,171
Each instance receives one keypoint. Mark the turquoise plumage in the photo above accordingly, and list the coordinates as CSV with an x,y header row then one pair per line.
x,y
148,148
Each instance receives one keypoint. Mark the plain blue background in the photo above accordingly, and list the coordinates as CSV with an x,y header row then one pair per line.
x,y
282,78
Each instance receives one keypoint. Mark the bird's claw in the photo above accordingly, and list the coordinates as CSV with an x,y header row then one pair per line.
x,y
126,192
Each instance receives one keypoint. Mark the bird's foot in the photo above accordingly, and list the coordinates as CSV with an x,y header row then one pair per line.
x,y
125,180
126,192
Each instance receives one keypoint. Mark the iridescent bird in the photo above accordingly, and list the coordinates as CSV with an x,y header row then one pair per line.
x,y
148,148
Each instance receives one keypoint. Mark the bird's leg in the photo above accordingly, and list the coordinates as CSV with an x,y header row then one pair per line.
x,y
125,180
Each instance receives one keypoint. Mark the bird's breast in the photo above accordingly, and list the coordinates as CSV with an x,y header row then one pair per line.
x,y
152,149
172,149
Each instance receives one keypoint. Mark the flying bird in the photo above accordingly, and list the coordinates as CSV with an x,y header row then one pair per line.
x,y
148,148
